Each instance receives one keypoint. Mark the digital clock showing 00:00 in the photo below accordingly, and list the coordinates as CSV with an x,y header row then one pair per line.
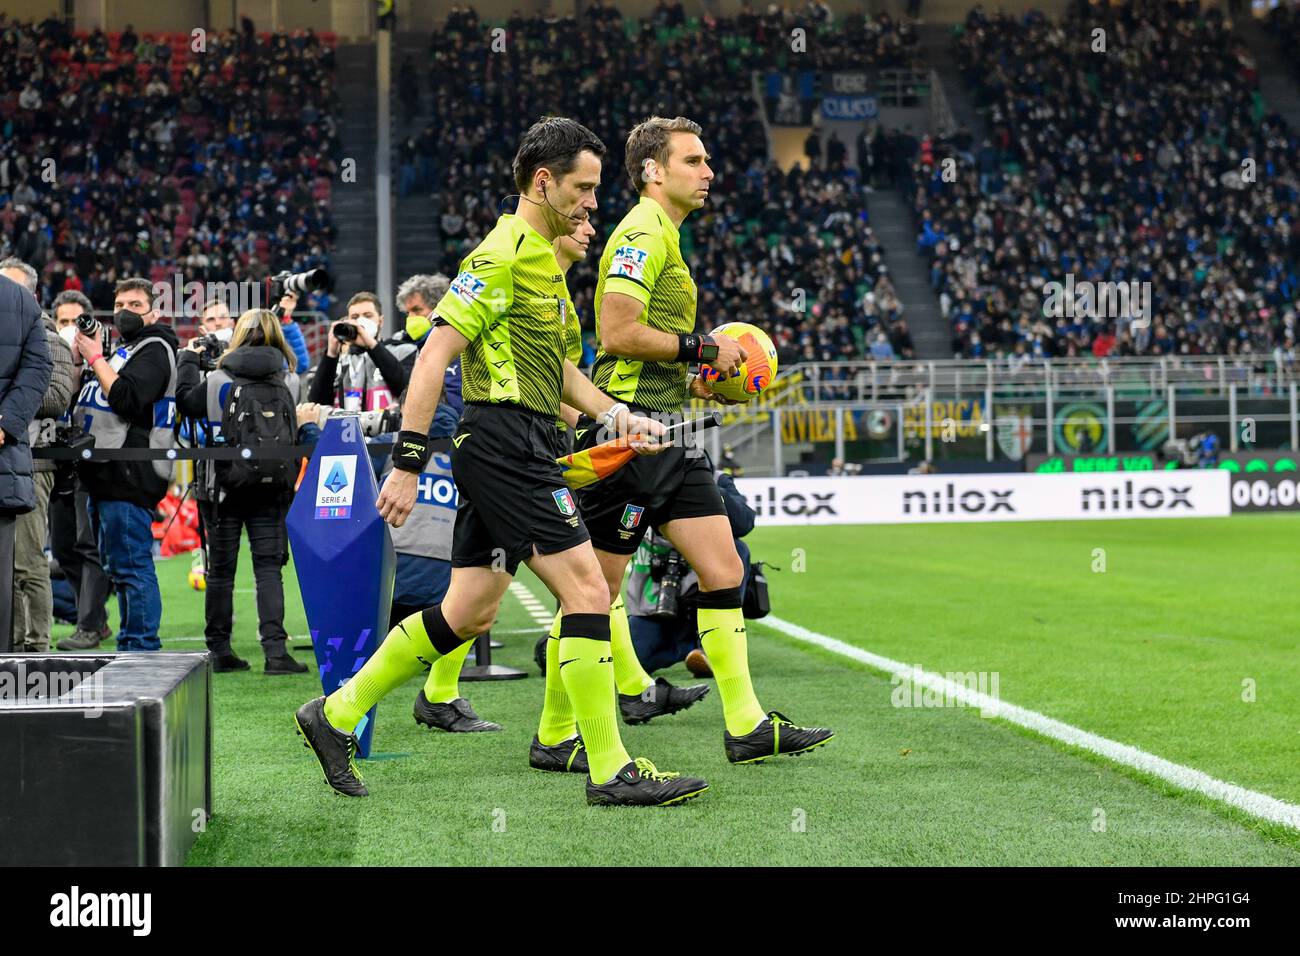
x,y
1264,492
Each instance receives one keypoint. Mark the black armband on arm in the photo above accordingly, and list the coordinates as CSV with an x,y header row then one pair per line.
x,y
696,348
411,451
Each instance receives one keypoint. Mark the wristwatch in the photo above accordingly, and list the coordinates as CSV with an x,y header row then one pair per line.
x,y
609,417
708,349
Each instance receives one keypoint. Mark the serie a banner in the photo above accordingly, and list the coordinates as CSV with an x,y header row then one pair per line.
x,y
344,558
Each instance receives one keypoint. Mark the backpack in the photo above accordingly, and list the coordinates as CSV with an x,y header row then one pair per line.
x,y
259,412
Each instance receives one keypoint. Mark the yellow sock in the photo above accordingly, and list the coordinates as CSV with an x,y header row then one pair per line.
x,y
722,634
443,685
557,721
586,666
404,653
628,672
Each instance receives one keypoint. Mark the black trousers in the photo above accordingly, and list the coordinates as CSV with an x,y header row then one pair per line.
x,y
72,540
269,543
7,534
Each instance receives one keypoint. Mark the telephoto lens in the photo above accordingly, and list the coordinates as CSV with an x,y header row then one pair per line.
x,y
344,332
670,587
87,325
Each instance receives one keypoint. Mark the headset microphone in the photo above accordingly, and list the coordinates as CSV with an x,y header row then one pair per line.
x,y
553,209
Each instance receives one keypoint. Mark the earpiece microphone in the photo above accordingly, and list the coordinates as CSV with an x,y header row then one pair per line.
x,y
553,209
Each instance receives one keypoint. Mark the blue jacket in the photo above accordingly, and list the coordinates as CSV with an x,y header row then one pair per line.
x,y
25,369
293,335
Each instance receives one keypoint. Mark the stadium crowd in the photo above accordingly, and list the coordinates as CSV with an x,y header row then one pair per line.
x,y
794,253
139,155
1120,167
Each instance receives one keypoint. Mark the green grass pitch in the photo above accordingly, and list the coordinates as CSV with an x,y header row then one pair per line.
x,y
1184,646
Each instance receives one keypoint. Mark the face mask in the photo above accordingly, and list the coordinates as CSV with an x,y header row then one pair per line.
x,y
223,335
69,334
370,325
418,326
128,323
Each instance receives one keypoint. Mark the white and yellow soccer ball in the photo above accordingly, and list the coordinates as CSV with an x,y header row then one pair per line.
x,y
757,372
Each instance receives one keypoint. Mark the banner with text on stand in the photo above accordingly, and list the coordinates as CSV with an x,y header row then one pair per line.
x,y
344,558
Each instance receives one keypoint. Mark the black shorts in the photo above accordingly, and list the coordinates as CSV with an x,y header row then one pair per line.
x,y
512,493
648,490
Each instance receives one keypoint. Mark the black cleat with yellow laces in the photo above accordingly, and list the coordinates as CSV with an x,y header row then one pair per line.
x,y
775,736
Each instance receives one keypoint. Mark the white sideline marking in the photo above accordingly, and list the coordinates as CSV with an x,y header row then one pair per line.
x,y
533,606
1257,804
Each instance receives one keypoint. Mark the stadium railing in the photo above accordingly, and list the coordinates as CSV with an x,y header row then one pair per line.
x,y
967,413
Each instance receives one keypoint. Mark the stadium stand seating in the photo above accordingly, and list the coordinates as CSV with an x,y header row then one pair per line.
x,y
1116,167
142,155
767,244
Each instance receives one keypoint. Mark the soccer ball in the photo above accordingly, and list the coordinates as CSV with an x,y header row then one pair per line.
x,y
198,573
757,372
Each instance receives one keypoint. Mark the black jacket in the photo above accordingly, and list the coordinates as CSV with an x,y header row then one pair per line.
x,y
141,382
324,384
255,362
25,369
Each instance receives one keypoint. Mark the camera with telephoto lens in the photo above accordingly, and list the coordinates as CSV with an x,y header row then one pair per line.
x,y
345,332
667,569
299,283
380,421
87,325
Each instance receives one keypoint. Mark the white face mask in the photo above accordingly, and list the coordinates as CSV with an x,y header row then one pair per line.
x,y
69,334
370,325
223,335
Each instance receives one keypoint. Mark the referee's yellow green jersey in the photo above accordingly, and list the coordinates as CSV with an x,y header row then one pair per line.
x,y
509,299
643,259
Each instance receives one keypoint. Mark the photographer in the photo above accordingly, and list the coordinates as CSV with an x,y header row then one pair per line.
x,y
33,601
72,534
216,318
416,297
358,372
24,376
246,399
129,403
293,334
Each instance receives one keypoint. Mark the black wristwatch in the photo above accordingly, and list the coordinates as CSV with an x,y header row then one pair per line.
x,y
696,348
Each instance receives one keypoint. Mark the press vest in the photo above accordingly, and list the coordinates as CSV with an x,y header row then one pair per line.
x,y
427,530
359,385
95,417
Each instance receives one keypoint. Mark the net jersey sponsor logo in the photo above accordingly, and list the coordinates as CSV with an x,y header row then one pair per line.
x,y
628,262
467,287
